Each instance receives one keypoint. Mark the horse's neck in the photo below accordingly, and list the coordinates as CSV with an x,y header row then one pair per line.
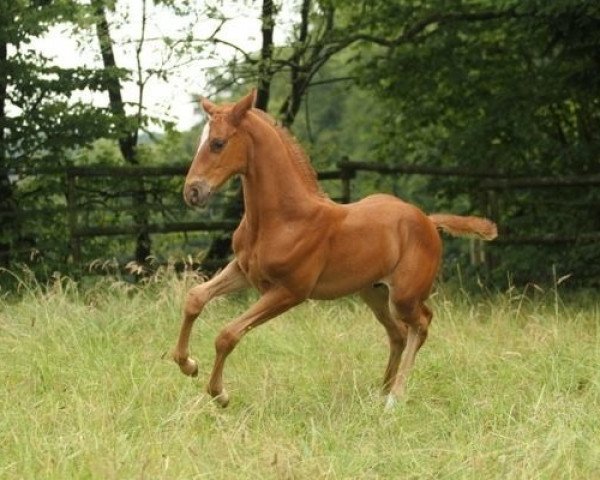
x,y
274,188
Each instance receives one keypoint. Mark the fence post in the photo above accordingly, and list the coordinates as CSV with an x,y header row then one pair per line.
x,y
489,209
74,243
477,248
347,173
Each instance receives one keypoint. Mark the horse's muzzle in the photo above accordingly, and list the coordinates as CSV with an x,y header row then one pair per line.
x,y
196,194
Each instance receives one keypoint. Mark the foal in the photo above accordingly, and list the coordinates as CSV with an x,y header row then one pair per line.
x,y
294,243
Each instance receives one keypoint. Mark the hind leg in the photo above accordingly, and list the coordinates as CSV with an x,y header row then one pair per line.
x,y
377,299
417,317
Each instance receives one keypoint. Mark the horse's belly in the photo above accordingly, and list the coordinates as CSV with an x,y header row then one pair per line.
x,y
331,289
356,260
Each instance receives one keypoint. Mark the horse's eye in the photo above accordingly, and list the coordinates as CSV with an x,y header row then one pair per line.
x,y
217,144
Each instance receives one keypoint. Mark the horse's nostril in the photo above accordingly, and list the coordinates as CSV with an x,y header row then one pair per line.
x,y
194,194
197,193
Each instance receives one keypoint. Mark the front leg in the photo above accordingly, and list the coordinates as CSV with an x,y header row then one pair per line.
x,y
230,279
271,304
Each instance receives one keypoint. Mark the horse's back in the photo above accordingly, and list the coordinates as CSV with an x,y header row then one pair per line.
x,y
370,240
386,211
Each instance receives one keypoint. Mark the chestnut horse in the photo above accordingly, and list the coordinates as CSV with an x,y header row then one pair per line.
x,y
294,243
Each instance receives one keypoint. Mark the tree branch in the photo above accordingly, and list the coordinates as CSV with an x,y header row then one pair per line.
x,y
141,82
422,24
332,80
238,49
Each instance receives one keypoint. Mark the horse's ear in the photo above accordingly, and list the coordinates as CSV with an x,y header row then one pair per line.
x,y
241,107
207,106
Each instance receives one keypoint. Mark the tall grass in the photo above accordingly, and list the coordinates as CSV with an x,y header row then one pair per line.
x,y
507,386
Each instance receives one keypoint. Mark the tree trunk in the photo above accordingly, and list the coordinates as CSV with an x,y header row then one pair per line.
x,y
265,74
128,140
299,77
6,192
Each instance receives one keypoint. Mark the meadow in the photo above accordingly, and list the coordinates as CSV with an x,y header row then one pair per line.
x,y
507,386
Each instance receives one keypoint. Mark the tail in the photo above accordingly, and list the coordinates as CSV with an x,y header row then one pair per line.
x,y
465,226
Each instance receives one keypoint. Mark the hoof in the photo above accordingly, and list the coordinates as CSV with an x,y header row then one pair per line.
x,y
390,402
221,398
189,367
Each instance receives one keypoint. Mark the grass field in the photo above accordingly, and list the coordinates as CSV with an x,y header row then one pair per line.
x,y
507,386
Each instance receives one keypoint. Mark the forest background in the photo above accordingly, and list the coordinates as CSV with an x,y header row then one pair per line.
x,y
510,88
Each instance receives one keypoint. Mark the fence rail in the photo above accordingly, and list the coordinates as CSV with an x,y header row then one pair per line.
x,y
490,184
354,166
206,226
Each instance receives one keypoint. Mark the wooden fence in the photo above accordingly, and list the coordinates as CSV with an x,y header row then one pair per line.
x,y
490,185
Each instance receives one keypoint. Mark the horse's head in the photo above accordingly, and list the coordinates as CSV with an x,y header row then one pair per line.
x,y
223,150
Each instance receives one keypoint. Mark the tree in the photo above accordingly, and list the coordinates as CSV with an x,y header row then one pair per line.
x,y
136,121
39,120
509,90
128,138
503,87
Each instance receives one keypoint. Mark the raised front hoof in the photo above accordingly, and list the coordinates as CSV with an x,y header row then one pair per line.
x,y
188,367
222,398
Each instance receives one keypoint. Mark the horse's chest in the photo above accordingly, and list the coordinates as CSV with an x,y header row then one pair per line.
x,y
252,264
257,266
248,255
265,261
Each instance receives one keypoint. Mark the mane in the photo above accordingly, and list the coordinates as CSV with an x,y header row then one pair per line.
x,y
301,159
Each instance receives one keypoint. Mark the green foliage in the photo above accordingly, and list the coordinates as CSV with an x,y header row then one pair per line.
x,y
40,120
40,124
507,86
337,118
44,124
514,91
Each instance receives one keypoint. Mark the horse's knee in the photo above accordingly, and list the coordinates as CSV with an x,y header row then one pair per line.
x,y
195,300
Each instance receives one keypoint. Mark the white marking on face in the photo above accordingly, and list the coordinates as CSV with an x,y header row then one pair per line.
x,y
204,136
